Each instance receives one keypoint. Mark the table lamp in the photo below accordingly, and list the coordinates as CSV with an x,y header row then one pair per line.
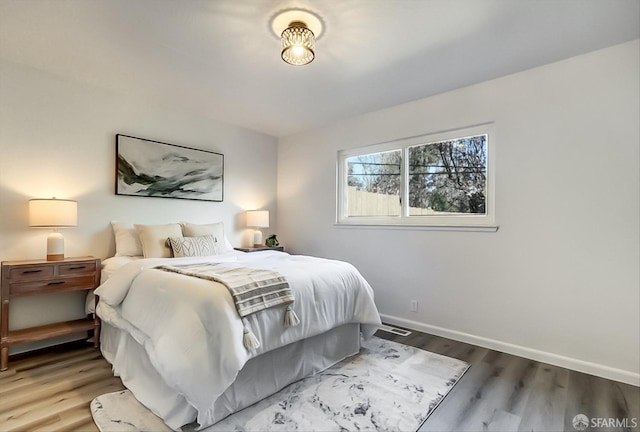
x,y
53,213
257,219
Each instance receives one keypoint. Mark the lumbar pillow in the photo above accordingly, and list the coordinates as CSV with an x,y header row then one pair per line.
x,y
194,246
214,229
154,239
127,240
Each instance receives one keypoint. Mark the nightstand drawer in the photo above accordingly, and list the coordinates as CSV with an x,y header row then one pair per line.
x,y
26,273
58,284
77,269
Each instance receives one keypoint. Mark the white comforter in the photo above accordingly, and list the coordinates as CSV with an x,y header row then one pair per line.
x,y
191,331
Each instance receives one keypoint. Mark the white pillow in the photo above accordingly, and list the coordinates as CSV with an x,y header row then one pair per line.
x,y
113,264
194,246
214,229
154,239
127,240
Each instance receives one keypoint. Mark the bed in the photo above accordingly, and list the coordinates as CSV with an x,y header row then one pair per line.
x,y
176,340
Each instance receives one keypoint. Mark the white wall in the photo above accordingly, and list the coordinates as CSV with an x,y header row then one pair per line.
x,y
559,280
57,138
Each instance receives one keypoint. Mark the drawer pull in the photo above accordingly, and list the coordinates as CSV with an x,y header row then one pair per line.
x,y
77,268
56,283
31,271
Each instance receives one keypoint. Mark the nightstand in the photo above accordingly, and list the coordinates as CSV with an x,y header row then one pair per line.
x,y
31,278
262,248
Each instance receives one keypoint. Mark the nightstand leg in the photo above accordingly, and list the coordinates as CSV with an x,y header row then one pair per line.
x,y
4,358
96,322
96,335
4,325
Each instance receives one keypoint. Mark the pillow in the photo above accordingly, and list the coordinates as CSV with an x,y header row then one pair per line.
x,y
127,240
194,246
154,239
214,229
111,265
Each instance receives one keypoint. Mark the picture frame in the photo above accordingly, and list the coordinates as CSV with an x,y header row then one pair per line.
x,y
156,169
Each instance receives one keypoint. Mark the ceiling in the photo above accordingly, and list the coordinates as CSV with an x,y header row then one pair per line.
x,y
220,58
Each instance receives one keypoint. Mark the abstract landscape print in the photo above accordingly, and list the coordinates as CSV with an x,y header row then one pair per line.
x,y
156,169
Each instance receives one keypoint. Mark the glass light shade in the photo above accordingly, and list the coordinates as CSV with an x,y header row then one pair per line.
x,y
53,213
258,218
298,44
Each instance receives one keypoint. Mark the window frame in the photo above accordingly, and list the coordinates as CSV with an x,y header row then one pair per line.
x,y
471,221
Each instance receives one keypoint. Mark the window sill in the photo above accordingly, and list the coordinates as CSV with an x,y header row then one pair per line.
x,y
468,228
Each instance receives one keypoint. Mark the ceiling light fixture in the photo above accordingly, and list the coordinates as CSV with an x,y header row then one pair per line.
x,y
298,31
298,44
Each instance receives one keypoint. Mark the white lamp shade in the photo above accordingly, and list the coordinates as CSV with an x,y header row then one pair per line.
x,y
53,213
258,218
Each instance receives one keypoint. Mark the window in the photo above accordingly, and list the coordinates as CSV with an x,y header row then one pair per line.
x,y
443,179
374,184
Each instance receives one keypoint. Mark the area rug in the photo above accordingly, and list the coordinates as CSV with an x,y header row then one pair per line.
x,y
387,386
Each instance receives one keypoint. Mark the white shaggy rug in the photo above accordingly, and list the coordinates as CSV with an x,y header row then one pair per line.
x,y
387,386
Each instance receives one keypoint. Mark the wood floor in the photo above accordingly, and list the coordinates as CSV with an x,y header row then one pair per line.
x,y
500,392
52,391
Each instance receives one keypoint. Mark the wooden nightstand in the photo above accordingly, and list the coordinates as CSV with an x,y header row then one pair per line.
x,y
30,278
262,248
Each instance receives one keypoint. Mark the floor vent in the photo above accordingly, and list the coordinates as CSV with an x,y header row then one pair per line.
x,y
394,330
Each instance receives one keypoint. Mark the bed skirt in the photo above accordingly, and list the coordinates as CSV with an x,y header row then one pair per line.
x,y
260,377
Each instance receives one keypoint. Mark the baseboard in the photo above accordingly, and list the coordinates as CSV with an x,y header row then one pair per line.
x,y
530,353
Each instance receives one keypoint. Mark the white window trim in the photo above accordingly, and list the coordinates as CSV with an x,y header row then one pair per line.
x,y
465,222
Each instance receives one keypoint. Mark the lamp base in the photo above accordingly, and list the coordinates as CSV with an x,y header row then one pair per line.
x,y
55,247
257,238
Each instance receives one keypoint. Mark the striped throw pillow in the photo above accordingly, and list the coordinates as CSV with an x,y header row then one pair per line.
x,y
194,246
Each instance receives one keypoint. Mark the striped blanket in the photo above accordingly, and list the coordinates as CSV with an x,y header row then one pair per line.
x,y
252,290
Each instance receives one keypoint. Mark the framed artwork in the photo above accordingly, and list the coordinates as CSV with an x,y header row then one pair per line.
x,y
156,169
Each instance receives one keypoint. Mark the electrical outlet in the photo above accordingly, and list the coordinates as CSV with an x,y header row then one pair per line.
x,y
413,307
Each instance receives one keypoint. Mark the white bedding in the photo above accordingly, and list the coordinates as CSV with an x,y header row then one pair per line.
x,y
190,329
109,266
